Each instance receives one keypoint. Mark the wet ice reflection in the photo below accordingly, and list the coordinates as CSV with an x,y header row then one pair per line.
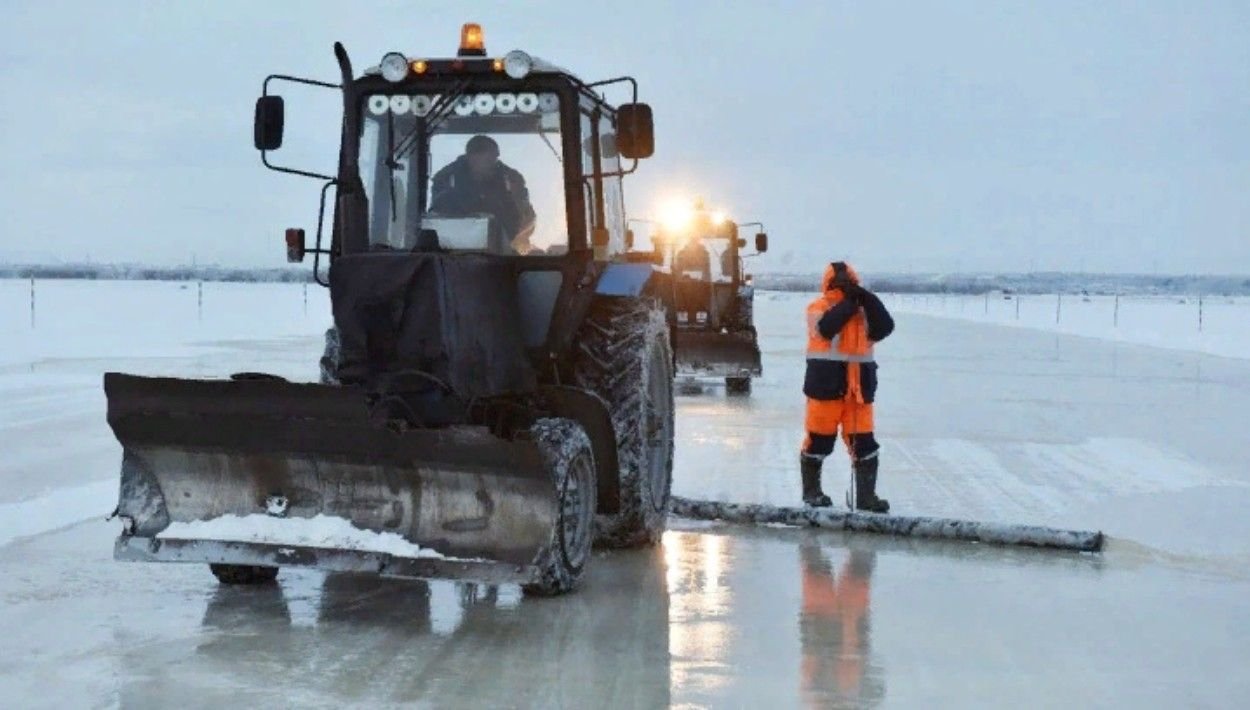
x,y
367,640
835,628
699,605
717,616
746,613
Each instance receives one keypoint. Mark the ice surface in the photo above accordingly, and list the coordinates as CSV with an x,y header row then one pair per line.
x,y
976,421
318,531
64,506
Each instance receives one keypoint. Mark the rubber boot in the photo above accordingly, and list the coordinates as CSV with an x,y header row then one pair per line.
x,y
813,496
866,487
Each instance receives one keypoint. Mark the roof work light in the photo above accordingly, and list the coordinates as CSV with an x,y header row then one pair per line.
x,y
518,64
394,67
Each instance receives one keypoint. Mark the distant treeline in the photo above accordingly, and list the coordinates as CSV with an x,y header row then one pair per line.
x,y
132,272
1041,282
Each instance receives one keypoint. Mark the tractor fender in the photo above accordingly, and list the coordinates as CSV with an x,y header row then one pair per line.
x,y
631,280
589,410
641,280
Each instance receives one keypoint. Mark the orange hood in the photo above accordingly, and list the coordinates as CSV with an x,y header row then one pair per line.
x,y
831,271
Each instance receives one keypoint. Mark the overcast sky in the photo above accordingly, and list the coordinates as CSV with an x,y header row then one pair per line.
x,y
906,136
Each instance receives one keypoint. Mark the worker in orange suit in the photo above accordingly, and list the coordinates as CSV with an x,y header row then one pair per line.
x,y
834,630
843,324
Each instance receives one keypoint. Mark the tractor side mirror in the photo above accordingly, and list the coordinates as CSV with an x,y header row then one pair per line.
x,y
270,117
635,131
295,245
629,239
761,242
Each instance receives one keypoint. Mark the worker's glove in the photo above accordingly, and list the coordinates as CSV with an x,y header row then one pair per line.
x,y
853,292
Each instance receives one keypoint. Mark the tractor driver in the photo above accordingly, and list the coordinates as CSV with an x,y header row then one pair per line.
x,y
693,267
694,257
478,182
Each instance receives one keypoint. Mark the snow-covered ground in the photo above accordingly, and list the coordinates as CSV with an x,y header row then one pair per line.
x,y
120,319
976,420
51,368
1217,325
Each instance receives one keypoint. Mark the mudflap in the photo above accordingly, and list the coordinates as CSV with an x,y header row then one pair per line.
x,y
713,354
200,449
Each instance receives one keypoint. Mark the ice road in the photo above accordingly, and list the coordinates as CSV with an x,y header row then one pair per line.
x,y
976,421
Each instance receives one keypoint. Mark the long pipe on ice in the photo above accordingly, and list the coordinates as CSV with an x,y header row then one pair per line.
x,y
903,526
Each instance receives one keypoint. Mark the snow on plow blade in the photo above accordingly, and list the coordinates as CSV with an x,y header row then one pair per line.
x,y
904,526
479,506
714,354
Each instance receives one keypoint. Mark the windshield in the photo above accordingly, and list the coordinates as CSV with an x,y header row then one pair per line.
x,y
477,172
705,258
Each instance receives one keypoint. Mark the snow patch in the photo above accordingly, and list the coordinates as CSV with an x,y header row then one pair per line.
x,y
325,531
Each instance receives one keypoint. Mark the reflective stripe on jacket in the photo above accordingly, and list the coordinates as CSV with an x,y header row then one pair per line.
x,y
818,348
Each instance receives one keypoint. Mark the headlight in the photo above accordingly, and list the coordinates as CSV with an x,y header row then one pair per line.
x,y
394,67
676,216
517,64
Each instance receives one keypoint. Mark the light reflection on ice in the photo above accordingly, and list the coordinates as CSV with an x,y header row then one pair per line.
x,y
699,605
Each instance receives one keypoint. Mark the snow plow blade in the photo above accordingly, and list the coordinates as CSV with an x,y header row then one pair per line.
x,y
197,450
902,526
711,354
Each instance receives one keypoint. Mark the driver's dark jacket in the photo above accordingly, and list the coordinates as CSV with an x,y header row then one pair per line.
x,y
502,194
694,257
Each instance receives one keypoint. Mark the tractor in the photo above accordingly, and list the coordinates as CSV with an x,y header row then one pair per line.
x,y
496,393
713,295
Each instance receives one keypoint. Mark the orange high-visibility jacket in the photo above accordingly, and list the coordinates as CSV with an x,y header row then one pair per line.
x,y
840,338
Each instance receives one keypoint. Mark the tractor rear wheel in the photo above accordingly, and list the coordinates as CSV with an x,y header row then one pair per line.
x,y
624,355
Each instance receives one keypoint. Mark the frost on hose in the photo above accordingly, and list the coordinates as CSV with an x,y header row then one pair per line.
x,y
322,531
903,526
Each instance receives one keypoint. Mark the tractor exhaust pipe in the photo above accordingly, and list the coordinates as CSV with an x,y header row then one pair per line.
x,y
901,526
